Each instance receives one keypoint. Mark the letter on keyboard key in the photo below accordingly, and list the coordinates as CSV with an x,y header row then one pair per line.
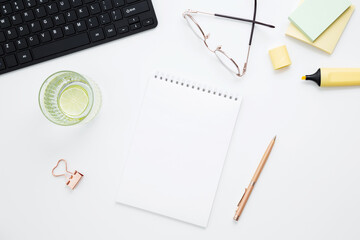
x,y
80,26
123,29
106,5
135,26
61,46
24,57
64,5
4,22
110,31
148,22
119,3
97,35
45,37
136,9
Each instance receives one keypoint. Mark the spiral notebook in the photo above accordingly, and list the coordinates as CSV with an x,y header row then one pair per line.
x,y
179,148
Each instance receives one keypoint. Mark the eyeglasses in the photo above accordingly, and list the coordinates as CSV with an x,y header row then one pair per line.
x,y
224,58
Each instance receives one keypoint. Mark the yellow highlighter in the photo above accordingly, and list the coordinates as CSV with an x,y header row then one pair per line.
x,y
335,77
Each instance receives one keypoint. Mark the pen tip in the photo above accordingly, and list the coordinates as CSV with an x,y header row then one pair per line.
x,y
275,137
303,77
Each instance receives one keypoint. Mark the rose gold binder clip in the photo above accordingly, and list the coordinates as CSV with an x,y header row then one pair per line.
x,y
72,178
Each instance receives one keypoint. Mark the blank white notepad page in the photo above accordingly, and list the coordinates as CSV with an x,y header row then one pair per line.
x,y
179,148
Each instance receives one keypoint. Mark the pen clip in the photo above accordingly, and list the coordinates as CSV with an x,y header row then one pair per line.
x,y
242,196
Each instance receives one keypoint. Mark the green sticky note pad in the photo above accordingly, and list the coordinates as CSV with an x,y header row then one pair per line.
x,y
313,17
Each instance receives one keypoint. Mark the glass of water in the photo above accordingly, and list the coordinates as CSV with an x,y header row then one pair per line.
x,y
68,98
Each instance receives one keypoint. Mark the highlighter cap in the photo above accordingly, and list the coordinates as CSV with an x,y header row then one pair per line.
x,y
279,57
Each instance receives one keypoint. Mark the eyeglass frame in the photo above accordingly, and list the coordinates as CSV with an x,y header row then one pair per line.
x,y
218,49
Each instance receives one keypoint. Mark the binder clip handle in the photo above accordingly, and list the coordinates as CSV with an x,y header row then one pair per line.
x,y
66,170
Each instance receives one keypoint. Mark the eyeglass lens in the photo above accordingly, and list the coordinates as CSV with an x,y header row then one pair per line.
x,y
195,28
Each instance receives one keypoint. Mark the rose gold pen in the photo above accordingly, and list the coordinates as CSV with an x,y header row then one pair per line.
x,y
249,189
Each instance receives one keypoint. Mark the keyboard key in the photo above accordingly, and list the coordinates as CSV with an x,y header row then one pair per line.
x,y
45,37
16,19
104,18
135,9
42,1
148,22
116,15
119,3
133,20
97,35
71,16
52,8
57,33
6,9
11,33
123,29
64,5
130,1
1,51
47,23
110,31
40,12
95,8
135,26
106,5
24,57
76,3
2,37
2,65
10,61
59,19
93,22
18,5
21,43
9,47
69,29
28,16
61,46
33,40
23,30
35,26
83,12
80,26
30,3
4,23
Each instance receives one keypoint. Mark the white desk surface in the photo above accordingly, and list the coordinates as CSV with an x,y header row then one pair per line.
x,y
309,188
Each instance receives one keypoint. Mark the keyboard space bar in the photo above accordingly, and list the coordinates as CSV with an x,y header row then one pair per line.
x,y
60,46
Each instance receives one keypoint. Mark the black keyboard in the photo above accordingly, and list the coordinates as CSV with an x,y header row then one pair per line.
x,y
33,31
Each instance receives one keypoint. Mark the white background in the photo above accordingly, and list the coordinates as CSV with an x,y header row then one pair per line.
x,y
309,188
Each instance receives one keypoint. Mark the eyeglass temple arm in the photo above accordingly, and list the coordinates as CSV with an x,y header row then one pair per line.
x,y
231,17
244,20
253,23
251,36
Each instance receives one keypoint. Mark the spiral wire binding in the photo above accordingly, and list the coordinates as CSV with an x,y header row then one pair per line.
x,y
184,83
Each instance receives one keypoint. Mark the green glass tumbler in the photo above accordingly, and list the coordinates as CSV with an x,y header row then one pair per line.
x,y
68,98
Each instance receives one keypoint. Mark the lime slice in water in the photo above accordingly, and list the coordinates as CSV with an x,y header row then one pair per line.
x,y
74,100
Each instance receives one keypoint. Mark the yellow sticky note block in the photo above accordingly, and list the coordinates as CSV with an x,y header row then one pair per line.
x,y
279,57
329,38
